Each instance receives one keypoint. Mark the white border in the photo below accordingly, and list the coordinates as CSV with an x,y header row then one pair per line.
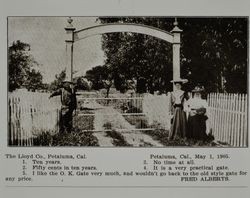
x,y
112,8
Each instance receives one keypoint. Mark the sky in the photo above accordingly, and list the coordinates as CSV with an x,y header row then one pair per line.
x,y
46,36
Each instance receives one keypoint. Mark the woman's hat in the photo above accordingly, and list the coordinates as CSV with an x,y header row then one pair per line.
x,y
179,80
198,89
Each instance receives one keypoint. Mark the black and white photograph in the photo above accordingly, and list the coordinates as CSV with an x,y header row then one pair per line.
x,y
127,81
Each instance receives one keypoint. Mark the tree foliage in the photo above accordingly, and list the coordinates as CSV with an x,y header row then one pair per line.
x,y
137,57
34,80
213,53
82,83
21,68
101,77
59,78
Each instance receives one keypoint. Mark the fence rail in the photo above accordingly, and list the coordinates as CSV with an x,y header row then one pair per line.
x,y
228,118
123,105
116,113
30,114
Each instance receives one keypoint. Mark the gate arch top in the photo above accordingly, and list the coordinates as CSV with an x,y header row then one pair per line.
x,y
73,36
124,27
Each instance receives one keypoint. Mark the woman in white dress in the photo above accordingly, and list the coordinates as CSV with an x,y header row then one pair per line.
x,y
197,115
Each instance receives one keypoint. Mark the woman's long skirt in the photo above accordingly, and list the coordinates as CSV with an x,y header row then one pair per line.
x,y
179,124
197,127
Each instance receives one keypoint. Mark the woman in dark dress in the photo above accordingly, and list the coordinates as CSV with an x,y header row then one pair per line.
x,y
179,120
197,116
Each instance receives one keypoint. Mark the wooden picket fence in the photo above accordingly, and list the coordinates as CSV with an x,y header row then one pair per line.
x,y
228,118
31,114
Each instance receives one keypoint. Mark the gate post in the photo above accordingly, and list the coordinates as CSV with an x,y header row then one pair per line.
x,y
176,50
69,49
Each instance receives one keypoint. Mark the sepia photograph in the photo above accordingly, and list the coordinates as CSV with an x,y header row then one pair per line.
x,y
128,81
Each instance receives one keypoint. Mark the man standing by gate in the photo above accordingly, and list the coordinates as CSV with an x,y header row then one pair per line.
x,y
69,104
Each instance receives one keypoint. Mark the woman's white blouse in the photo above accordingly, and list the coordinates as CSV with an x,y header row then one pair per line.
x,y
178,96
196,103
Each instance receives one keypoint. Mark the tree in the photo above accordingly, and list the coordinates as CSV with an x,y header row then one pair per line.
x,y
213,53
142,58
100,77
107,83
82,83
34,80
21,68
59,78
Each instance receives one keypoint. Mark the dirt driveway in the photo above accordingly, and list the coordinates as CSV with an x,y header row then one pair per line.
x,y
107,119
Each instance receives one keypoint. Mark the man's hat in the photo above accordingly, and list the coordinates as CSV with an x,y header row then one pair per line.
x,y
67,81
179,80
198,89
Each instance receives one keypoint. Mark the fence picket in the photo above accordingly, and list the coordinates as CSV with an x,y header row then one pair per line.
x,y
213,113
246,121
241,120
223,116
217,116
227,117
232,120
237,119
